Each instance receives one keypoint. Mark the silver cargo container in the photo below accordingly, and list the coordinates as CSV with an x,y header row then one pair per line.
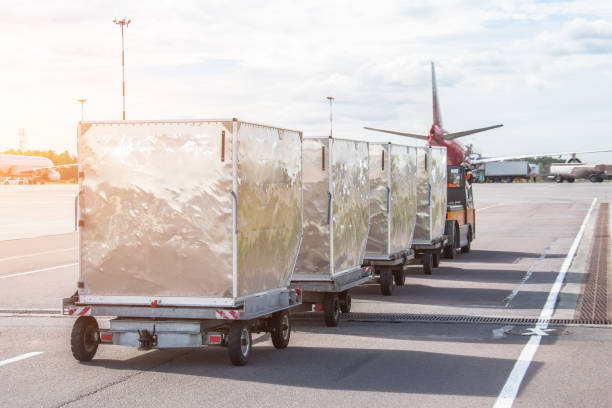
x,y
393,203
431,194
429,234
187,219
392,200
336,219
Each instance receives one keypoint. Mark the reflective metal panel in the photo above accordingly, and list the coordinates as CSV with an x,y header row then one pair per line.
x,y
378,237
403,203
341,215
269,192
314,256
351,203
156,204
422,231
438,190
392,199
431,193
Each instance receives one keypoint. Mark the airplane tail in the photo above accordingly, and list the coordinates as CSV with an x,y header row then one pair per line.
x,y
437,118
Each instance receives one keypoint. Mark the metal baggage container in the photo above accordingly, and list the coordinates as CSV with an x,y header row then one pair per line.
x,y
336,220
393,204
192,219
431,194
429,237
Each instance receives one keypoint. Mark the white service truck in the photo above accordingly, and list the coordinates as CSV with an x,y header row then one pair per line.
x,y
507,171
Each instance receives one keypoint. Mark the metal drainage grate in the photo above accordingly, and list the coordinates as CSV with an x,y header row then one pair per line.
x,y
593,303
407,317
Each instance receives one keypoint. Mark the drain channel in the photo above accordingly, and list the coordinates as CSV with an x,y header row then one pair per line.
x,y
407,317
593,303
434,318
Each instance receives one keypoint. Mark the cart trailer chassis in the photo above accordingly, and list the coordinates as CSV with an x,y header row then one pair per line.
x,y
161,327
428,253
332,296
391,269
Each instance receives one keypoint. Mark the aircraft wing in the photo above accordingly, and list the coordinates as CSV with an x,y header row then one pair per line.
x,y
393,132
54,167
455,135
526,156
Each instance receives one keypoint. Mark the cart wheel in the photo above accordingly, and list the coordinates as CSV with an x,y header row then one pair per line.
x,y
386,281
399,277
468,247
281,329
450,251
83,340
427,262
345,302
239,343
331,309
436,259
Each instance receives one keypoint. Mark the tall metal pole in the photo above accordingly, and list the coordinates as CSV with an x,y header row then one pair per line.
x,y
123,23
331,118
83,100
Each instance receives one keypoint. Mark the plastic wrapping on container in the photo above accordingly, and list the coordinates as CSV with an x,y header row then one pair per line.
x,y
431,194
392,199
188,209
336,208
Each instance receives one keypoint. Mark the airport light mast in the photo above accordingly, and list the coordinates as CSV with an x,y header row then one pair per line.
x,y
123,23
331,99
82,101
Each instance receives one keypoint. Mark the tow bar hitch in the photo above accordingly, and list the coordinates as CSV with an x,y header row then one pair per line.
x,y
147,340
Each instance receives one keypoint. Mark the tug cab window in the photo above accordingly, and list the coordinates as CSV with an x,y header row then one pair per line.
x,y
454,177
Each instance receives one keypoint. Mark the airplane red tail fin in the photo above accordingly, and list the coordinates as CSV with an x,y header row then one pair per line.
x,y
437,118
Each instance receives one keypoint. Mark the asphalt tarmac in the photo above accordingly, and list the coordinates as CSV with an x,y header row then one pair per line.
x,y
524,234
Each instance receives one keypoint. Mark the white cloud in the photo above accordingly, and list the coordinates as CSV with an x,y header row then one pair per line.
x,y
523,63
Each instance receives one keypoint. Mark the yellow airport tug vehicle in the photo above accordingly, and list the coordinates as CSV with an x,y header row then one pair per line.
x,y
460,212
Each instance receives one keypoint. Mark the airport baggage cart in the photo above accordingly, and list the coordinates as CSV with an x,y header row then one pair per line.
x,y
189,233
429,237
336,219
393,204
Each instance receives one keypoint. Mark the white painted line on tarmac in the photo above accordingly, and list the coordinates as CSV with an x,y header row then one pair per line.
x,y
38,270
37,253
513,383
486,208
21,357
516,290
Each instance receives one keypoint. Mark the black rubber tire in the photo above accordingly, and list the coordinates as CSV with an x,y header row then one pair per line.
x,y
465,249
280,325
436,259
558,179
593,178
427,261
331,309
450,251
399,277
570,180
386,281
239,343
84,338
345,301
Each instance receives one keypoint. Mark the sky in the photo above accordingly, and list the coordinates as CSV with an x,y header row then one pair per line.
x,y
542,68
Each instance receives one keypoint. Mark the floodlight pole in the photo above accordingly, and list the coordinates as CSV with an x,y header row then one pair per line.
x,y
331,118
123,23
83,100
